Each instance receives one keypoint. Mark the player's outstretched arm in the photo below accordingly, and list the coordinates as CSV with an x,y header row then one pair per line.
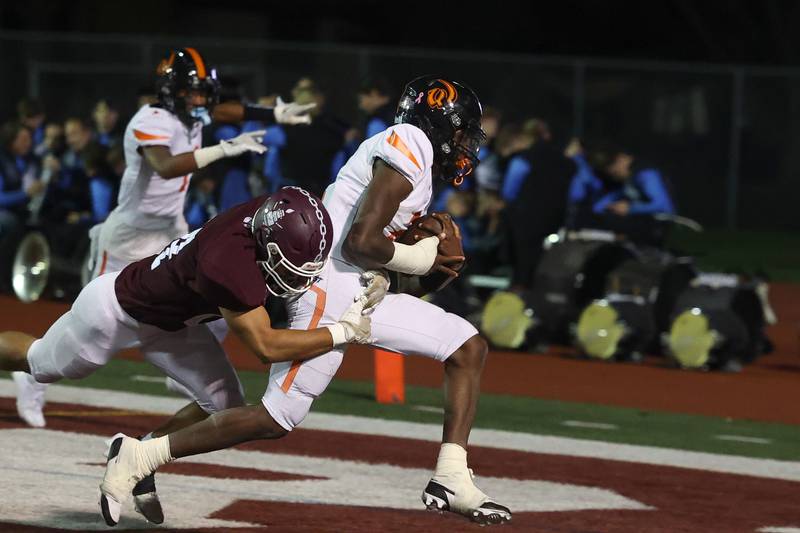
x,y
283,113
170,166
275,345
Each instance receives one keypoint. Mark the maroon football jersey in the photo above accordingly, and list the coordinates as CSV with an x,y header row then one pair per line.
x,y
186,284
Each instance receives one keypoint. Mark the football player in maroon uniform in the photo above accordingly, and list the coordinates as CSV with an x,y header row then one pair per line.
x,y
275,246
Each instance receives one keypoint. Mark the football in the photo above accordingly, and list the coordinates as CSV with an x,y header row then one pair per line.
x,y
428,226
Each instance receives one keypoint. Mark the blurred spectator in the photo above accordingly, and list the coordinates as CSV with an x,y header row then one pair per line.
x,y
606,182
69,199
200,206
31,114
375,100
53,143
18,177
230,176
106,123
274,140
116,161
489,173
103,184
607,192
535,188
307,158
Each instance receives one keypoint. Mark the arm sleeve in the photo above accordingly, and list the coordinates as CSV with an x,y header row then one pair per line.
x,y
406,149
518,170
11,198
102,193
152,128
604,201
275,137
583,183
653,186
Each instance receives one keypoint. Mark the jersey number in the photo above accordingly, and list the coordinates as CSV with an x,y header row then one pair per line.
x,y
174,248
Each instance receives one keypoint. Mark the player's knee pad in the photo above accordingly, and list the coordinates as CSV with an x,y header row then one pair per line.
x,y
288,409
48,364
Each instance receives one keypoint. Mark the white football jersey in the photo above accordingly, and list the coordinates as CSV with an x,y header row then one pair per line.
x,y
406,149
146,200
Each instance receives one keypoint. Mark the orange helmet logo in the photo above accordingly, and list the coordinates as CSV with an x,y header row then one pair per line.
x,y
438,96
165,64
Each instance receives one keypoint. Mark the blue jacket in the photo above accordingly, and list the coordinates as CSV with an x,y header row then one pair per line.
x,y
518,169
11,171
646,191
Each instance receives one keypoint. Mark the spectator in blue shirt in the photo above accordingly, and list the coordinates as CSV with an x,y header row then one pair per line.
x,y
535,190
606,182
18,176
107,130
103,184
68,196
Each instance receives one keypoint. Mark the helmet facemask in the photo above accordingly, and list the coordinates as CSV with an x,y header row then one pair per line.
x,y
459,157
285,279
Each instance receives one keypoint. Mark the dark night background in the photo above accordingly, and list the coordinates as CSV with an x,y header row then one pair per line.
x,y
736,31
707,90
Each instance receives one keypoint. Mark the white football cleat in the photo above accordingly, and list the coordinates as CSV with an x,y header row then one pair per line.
x,y
30,399
458,494
123,472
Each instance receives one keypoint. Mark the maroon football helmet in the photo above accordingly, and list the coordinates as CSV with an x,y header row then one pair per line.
x,y
294,232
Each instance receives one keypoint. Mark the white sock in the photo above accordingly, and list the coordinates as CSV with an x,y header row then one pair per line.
x,y
452,461
153,453
147,437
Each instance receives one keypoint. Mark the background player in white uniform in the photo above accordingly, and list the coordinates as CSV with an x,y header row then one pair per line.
x,y
381,189
162,145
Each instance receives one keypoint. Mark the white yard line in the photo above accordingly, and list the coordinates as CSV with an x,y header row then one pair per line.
x,y
780,529
526,442
148,379
740,438
428,409
588,425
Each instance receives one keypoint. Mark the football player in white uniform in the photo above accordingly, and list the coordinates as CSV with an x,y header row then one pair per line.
x,y
377,194
162,144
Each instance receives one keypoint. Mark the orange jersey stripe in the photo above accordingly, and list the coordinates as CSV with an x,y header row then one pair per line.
x,y
103,264
198,61
398,143
319,307
142,136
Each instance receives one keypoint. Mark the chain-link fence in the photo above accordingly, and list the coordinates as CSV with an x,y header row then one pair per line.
x,y
723,135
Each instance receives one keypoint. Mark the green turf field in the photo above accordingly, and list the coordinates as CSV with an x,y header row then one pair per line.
x,y
543,417
777,254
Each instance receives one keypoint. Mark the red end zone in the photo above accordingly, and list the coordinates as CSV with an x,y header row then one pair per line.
x,y
677,499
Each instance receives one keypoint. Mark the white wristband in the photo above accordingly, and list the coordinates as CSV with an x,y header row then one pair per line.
x,y
338,333
205,156
415,259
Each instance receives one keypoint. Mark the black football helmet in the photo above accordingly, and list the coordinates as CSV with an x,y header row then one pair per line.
x,y
182,71
449,113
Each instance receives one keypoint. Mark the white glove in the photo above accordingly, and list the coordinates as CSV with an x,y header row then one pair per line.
x,y
246,142
376,285
292,113
353,326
